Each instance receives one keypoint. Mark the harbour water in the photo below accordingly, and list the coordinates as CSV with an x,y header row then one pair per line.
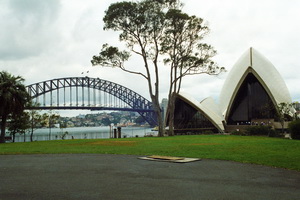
x,y
83,133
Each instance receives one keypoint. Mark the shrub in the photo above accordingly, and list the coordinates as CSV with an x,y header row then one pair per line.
x,y
208,132
240,132
260,130
294,128
274,133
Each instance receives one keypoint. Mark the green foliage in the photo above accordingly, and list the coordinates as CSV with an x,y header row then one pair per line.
x,y
208,132
62,125
260,150
141,26
13,94
110,56
285,113
158,30
139,23
240,132
140,120
294,128
106,121
13,98
49,119
259,130
19,124
116,117
36,119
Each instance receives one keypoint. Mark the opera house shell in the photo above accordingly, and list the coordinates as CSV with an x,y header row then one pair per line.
x,y
250,93
252,89
193,116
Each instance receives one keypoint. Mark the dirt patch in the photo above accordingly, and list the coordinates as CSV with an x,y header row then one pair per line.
x,y
105,143
202,144
113,143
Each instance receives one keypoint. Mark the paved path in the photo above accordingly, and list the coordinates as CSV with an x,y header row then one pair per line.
x,y
87,176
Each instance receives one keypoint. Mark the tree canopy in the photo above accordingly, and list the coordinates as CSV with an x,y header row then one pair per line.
x,y
159,32
13,98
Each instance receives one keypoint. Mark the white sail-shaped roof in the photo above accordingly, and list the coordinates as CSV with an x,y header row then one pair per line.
x,y
253,62
207,107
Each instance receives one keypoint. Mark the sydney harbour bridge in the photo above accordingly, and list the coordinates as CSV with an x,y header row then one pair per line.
x,y
86,93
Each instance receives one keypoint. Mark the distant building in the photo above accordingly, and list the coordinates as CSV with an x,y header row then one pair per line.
x,y
81,116
297,106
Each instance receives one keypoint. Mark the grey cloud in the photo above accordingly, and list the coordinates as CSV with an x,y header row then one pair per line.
x,y
45,39
29,27
35,11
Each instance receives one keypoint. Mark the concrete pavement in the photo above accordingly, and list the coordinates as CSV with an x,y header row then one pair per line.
x,y
89,176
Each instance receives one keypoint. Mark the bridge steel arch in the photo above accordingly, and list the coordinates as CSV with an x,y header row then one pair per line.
x,y
135,102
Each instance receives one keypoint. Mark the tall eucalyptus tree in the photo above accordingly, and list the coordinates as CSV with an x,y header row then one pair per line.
x,y
184,52
158,30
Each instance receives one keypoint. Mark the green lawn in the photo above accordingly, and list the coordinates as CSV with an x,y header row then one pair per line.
x,y
274,152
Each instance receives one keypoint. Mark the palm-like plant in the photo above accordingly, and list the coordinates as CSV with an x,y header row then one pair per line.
x,y
13,98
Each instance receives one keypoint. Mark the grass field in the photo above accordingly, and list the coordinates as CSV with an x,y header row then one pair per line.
x,y
267,151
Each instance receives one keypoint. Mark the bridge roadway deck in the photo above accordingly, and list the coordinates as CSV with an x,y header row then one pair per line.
x,y
87,176
92,108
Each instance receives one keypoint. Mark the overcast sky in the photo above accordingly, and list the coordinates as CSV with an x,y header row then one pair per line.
x,y
42,40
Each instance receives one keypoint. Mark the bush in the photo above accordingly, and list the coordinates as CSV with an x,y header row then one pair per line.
x,y
240,132
208,132
260,130
294,128
275,133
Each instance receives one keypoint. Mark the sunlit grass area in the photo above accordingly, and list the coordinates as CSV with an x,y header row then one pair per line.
x,y
276,152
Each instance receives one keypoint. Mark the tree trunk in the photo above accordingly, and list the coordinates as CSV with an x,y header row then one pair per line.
x,y
31,134
3,126
282,127
157,111
161,129
171,109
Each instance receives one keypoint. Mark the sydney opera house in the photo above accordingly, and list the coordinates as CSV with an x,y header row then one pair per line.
x,y
249,96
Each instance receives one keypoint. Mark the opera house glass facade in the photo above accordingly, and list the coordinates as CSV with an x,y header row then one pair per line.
x,y
251,102
250,93
188,119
